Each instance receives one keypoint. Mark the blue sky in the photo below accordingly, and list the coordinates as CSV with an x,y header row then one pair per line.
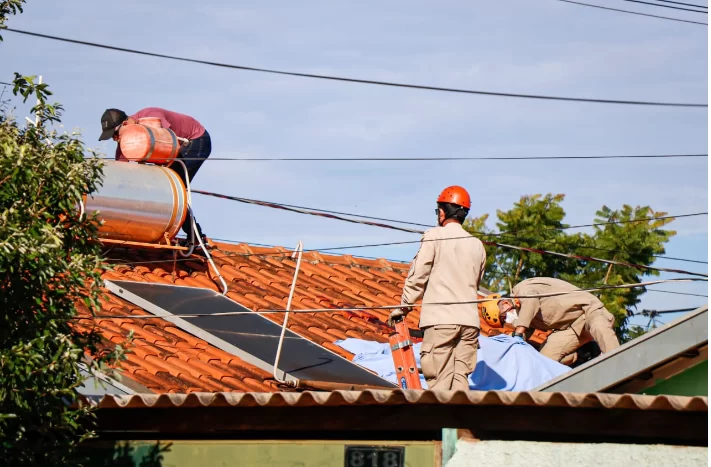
x,y
536,47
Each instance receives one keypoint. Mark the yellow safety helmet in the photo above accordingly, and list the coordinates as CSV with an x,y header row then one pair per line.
x,y
490,311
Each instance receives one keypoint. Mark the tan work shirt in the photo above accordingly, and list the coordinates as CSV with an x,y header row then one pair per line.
x,y
553,313
446,271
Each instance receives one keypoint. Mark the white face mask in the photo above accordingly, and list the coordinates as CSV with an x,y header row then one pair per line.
x,y
511,316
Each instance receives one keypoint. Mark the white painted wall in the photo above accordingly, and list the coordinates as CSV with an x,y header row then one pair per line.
x,y
535,454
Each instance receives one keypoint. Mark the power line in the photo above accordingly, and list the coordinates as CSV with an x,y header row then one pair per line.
x,y
333,214
631,12
666,6
631,221
123,262
685,260
531,250
486,242
423,159
653,313
689,294
225,240
680,3
586,247
352,80
392,307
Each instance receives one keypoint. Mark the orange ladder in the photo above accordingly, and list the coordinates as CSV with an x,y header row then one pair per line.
x,y
404,356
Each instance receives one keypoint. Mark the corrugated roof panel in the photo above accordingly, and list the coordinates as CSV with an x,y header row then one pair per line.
x,y
409,397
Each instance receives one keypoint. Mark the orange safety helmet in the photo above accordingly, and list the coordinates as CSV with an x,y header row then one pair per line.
x,y
455,195
490,311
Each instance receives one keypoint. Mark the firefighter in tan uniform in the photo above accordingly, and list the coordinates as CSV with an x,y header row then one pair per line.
x,y
447,270
573,317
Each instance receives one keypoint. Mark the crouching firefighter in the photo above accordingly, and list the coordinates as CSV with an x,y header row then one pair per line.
x,y
575,318
447,268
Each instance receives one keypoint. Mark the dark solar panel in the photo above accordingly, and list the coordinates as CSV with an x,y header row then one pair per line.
x,y
252,333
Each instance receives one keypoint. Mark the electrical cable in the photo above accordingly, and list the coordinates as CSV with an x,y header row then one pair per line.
x,y
677,293
501,245
665,6
633,12
392,307
123,262
328,215
661,312
420,159
353,80
680,3
318,210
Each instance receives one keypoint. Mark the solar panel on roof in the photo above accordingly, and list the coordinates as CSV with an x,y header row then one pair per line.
x,y
250,336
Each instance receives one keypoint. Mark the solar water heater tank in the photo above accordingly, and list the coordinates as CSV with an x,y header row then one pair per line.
x,y
139,203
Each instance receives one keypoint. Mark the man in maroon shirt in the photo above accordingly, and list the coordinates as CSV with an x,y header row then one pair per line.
x,y
193,153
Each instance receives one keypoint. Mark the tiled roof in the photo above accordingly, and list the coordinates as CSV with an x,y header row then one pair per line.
x,y
400,397
166,359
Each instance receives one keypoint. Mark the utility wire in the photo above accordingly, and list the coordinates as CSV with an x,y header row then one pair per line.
x,y
354,80
631,221
123,262
410,159
269,203
224,240
316,211
633,12
666,6
531,250
390,307
486,242
689,294
114,262
687,4
653,313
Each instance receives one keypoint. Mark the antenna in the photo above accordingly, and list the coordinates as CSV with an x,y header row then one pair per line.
x,y
37,113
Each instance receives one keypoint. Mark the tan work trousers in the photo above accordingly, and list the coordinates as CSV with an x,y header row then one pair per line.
x,y
599,326
448,356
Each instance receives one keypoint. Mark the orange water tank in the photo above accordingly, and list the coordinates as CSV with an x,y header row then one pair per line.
x,y
148,142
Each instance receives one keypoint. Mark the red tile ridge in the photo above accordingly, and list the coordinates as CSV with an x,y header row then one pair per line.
x,y
344,260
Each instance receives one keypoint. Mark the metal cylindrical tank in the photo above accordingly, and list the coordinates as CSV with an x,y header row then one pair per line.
x,y
140,203
147,141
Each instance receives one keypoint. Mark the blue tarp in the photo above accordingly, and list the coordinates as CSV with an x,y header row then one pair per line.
x,y
504,363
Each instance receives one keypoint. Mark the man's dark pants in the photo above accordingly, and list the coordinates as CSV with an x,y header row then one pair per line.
x,y
193,154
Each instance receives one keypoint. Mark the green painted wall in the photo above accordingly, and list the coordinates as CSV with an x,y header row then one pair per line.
x,y
242,453
692,382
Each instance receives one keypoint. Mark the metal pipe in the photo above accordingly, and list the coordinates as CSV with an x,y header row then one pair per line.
x,y
299,250
193,229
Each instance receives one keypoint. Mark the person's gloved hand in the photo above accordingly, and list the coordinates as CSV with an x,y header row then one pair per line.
x,y
398,313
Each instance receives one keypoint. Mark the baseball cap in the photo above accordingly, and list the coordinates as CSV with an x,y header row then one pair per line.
x,y
109,121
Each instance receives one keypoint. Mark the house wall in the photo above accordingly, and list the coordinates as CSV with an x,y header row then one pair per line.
x,y
546,454
693,381
196,453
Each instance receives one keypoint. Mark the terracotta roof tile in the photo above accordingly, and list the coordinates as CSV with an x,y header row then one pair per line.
x,y
165,358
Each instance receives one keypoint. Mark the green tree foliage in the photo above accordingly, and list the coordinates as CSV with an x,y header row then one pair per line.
x,y
537,221
50,263
7,8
